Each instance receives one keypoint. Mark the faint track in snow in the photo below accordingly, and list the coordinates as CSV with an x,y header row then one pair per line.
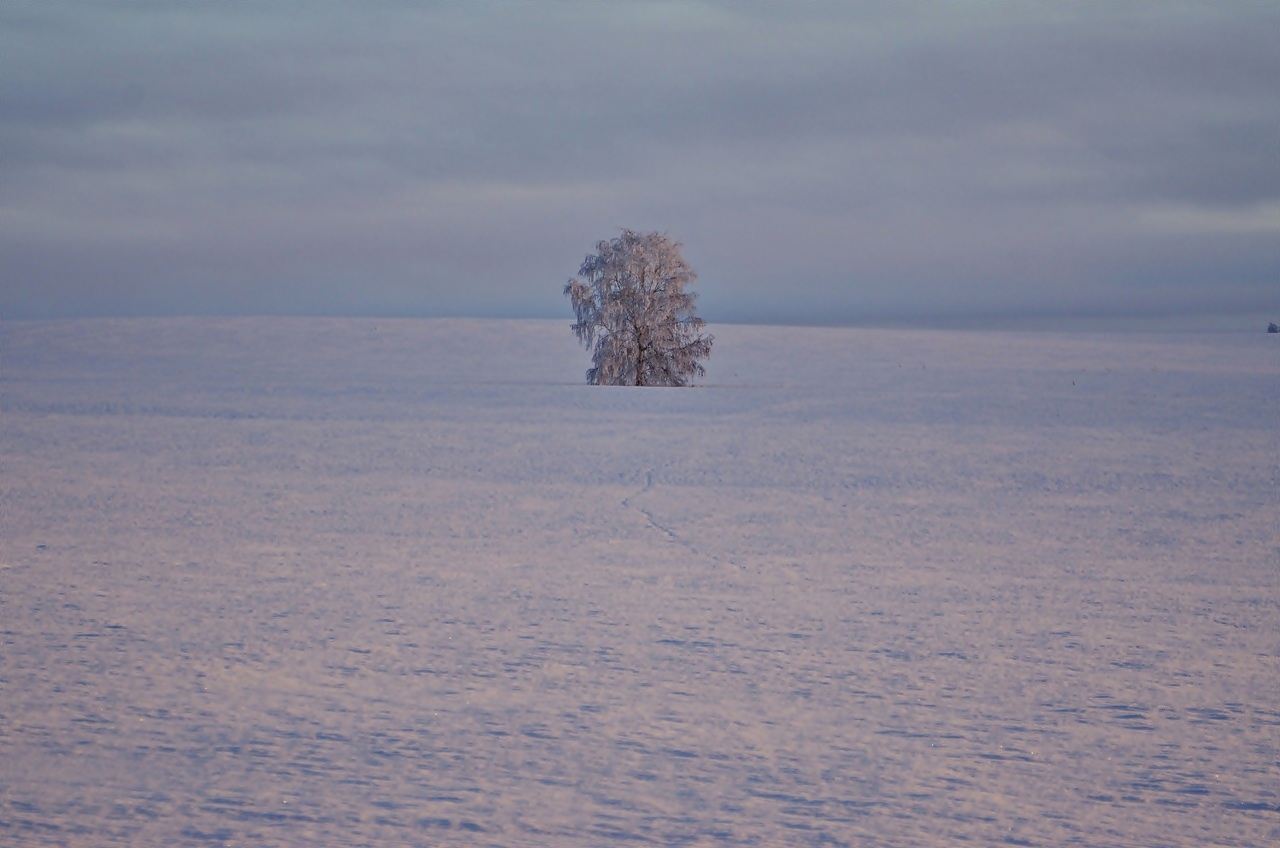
x,y
653,522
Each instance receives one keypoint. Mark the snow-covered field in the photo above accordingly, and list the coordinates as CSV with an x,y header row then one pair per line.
x,y
357,582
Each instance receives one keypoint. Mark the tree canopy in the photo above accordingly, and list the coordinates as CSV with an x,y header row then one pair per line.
x,y
635,314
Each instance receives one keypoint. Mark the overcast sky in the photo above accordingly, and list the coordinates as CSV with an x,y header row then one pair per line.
x,y
822,162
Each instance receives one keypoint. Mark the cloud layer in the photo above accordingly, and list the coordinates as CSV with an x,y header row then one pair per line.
x,y
822,163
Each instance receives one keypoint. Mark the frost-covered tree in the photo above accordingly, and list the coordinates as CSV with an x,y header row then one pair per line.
x,y
634,313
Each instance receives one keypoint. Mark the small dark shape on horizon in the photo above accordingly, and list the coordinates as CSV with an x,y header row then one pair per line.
x,y
1272,328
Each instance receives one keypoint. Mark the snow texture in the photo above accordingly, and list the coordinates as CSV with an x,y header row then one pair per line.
x,y
356,582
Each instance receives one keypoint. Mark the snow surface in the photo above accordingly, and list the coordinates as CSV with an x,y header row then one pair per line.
x,y
358,582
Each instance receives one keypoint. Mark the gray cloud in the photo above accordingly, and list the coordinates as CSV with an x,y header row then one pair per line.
x,y
821,163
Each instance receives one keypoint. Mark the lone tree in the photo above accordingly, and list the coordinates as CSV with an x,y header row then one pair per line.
x,y
634,313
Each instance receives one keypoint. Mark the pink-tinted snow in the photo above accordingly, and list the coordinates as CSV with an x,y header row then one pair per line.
x,y
357,582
